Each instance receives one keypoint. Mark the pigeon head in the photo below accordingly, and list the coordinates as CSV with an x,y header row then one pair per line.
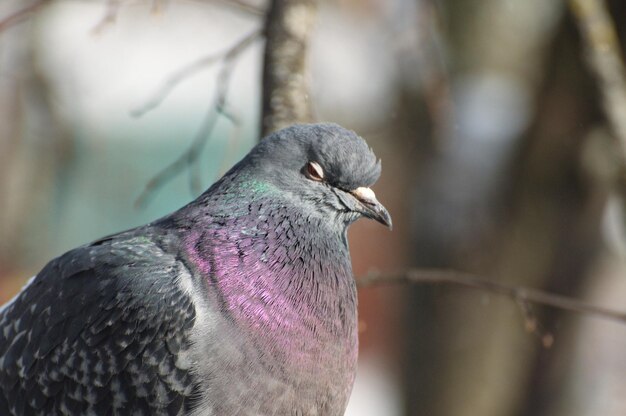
x,y
322,168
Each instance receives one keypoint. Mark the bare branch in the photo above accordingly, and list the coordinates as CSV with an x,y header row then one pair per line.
x,y
203,63
604,57
216,109
190,156
286,98
522,295
20,15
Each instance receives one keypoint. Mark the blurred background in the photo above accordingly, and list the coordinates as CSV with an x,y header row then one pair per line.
x,y
497,160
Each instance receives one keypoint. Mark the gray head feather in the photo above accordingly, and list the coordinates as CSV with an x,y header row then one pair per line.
x,y
346,159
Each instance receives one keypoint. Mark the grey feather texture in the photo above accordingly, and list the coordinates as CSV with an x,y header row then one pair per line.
x,y
240,303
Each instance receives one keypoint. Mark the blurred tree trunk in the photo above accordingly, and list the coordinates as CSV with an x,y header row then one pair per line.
x,y
33,150
286,98
555,211
558,385
476,357
15,175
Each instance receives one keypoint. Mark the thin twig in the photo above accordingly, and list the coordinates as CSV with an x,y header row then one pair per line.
x,y
533,325
188,158
20,15
191,69
520,294
216,109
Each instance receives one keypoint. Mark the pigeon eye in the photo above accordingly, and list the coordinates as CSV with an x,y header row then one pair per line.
x,y
314,171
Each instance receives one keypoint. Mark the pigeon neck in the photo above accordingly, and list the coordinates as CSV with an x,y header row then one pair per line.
x,y
277,269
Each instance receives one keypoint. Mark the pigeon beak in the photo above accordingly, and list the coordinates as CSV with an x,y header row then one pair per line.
x,y
371,208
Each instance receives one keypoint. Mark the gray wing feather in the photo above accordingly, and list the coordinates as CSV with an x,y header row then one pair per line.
x,y
103,329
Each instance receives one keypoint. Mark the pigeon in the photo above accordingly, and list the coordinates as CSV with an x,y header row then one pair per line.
x,y
242,302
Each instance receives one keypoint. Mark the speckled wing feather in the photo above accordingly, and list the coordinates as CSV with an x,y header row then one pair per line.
x,y
103,329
